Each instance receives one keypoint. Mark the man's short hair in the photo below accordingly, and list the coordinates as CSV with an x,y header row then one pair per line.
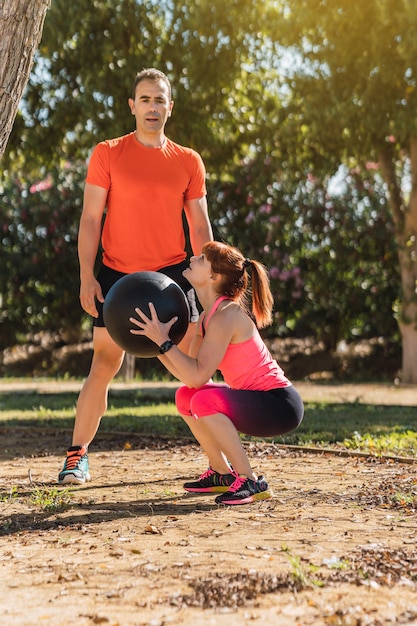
x,y
150,73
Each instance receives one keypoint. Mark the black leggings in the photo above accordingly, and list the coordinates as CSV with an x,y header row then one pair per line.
x,y
257,413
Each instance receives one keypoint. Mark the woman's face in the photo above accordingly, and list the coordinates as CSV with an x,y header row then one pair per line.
x,y
199,270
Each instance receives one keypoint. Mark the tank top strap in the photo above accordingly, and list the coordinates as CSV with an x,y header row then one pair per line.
x,y
205,319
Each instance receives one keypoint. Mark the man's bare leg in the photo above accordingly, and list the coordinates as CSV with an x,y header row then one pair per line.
x,y
91,405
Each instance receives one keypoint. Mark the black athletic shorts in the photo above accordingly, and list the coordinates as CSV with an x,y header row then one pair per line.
x,y
107,277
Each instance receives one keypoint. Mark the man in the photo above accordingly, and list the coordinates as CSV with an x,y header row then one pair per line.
x,y
145,182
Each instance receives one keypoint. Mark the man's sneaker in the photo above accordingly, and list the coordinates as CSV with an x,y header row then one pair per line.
x,y
245,490
211,482
75,470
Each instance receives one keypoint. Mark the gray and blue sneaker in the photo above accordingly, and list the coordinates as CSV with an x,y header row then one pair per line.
x,y
245,490
75,470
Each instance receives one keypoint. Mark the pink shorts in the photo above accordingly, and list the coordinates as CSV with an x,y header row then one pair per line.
x,y
257,413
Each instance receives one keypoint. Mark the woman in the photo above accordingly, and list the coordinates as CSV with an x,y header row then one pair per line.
x,y
256,397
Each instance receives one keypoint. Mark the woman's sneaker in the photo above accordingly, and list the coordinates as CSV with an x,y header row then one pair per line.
x,y
75,470
211,482
245,490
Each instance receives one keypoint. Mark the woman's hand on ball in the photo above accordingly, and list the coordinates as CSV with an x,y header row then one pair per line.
x,y
151,327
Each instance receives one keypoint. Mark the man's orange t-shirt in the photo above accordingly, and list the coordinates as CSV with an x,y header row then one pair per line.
x,y
147,189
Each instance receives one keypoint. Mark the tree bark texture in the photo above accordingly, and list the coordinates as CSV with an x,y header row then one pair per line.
x,y
21,24
405,220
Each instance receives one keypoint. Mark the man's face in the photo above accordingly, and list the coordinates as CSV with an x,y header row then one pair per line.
x,y
151,106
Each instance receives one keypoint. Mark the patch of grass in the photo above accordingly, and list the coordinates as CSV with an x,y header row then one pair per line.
x,y
301,574
50,498
377,429
130,412
405,499
403,443
11,495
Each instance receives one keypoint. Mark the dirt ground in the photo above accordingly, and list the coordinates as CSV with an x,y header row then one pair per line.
x,y
335,547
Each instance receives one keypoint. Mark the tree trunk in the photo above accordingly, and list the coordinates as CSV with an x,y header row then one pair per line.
x,y
409,354
405,219
127,370
21,24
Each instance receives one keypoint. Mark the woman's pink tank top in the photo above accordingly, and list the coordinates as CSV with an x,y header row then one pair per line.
x,y
249,365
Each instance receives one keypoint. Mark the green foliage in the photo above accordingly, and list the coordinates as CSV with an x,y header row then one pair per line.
x,y
39,270
353,96
275,96
353,86
309,239
331,254
348,257
215,53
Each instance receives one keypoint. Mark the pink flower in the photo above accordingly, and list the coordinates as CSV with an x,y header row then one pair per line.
x,y
285,275
265,208
42,185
